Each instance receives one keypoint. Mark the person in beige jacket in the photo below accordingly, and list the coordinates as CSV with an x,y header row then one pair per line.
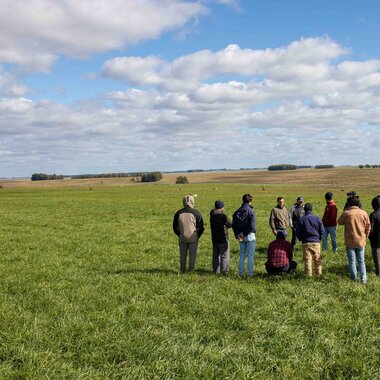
x,y
188,226
356,230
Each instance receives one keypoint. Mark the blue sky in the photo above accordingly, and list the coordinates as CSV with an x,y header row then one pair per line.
x,y
92,86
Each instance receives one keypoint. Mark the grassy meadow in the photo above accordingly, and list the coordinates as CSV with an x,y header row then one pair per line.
x,y
90,289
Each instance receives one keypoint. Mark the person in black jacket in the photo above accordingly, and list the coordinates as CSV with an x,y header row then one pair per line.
x,y
188,226
244,226
220,223
374,235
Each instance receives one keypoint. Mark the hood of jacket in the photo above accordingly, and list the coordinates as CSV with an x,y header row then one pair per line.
x,y
188,201
376,203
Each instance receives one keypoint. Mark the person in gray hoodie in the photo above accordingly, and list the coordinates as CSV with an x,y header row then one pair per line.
x,y
188,226
374,235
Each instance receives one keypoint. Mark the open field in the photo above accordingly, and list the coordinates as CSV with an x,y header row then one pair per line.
x,y
90,288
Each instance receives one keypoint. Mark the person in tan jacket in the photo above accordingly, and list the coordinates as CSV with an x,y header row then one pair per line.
x,y
356,230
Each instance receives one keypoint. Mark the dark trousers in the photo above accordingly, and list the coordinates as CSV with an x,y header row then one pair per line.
x,y
291,267
376,260
294,237
220,257
183,249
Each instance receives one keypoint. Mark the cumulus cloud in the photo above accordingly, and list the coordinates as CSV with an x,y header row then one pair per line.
x,y
250,104
300,60
35,32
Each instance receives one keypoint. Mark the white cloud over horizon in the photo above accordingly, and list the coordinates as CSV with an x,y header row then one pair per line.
x,y
305,102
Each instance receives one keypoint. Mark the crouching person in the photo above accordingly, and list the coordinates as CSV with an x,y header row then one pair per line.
x,y
280,255
220,223
188,226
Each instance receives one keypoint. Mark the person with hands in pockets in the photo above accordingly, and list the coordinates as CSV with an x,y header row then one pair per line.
x,y
244,227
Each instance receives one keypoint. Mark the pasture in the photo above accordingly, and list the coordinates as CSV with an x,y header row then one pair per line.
x,y
90,288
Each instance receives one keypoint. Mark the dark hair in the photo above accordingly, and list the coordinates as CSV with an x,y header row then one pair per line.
x,y
247,198
328,196
278,198
353,200
308,207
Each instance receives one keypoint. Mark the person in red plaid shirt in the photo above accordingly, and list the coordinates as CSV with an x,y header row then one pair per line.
x,y
280,255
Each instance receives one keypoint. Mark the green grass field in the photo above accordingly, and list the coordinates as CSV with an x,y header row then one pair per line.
x,y
90,289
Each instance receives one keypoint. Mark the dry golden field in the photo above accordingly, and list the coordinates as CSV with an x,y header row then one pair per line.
x,y
339,178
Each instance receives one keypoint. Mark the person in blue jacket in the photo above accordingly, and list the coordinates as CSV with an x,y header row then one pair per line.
x,y
310,230
244,227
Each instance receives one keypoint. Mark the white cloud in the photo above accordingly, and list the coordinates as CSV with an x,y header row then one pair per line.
x,y
300,60
236,108
35,32
138,71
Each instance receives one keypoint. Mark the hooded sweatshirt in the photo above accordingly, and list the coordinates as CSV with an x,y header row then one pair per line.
x,y
374,235
330,214
188,222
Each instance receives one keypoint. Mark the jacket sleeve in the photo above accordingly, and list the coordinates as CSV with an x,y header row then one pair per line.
x,y
372,221
299,231
175,224
290,214
252,222
321,230
334,212
271,220
342,219
228,222
367,226
199,225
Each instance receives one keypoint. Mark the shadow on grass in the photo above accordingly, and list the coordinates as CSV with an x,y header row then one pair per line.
x,y
340,269
145,271
165,271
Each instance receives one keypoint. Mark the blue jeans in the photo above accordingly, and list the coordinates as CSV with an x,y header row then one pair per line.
x,y
332,232
247,246
357,253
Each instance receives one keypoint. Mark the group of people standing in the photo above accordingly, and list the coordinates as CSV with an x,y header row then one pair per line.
x,y
306,227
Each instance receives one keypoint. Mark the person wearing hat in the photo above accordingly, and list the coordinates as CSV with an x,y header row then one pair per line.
x,y
296,212
244,226
280,256
352,195
188,226
309,231
329,222
220,223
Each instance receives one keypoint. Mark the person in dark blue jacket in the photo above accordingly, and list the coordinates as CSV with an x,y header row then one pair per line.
x,y
244,227
310,230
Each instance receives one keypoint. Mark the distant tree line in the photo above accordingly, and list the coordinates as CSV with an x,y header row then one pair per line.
x,y
151,177
108,175
324,166
282,167
44,177
368,166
